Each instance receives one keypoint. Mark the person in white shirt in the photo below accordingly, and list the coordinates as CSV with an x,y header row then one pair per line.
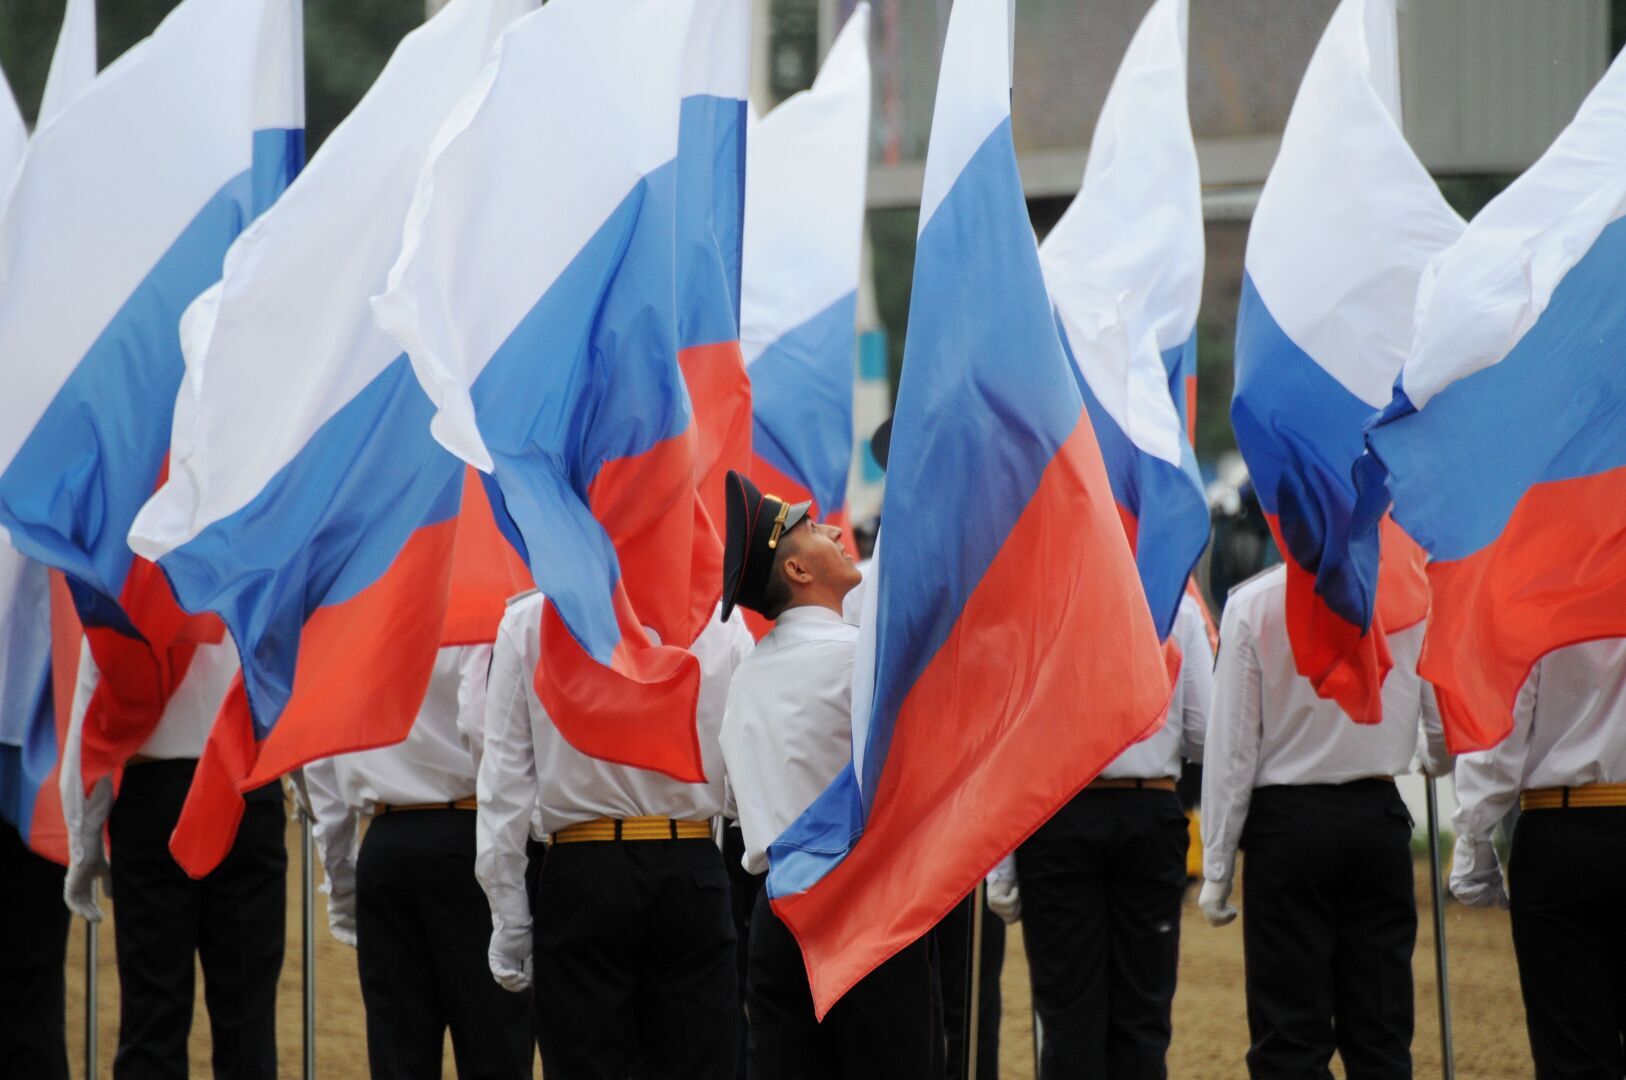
x,y
232,920
407,901
626,930
1100,889
786,735
1564,766
1331,916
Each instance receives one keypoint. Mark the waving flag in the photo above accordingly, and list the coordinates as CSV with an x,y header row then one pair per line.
x,y
307,503
124,206
32,607
1006,596
1505,443
73,64
804,221
555,316
1125,270
1346,222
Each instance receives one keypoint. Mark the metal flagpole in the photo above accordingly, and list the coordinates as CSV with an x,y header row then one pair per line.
x,y
1448,1068
973,990
90,999
307,892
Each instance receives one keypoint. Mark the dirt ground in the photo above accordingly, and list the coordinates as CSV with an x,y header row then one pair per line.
x,y
1210,1024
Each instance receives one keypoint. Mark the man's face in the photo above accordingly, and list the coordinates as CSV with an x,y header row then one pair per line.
x,y
816,549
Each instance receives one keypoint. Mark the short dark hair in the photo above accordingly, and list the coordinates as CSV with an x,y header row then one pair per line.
x,y
776,590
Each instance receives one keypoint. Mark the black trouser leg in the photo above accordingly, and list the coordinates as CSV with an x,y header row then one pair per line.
x,y
883,1028
634,961
34,943
241,937
1146,880
158,911
1329,923
423,927
1567,886
742,898
1062,875
952,937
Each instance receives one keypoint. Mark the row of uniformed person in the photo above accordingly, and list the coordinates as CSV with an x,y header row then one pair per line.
x,y
608,901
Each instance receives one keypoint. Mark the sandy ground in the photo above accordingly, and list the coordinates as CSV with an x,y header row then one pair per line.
x,y
1210,1023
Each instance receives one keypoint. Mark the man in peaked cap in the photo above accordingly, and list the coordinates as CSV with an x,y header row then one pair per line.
x,y
787,732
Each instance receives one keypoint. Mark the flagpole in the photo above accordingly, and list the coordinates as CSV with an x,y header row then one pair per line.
x,y
90,999
1448,1068
973,990
307,896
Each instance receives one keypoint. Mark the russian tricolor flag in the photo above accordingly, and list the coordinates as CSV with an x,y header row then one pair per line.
x,y
1125,270
307,503
1504,447
804,222
1346,222
564,296
1007,652
120,216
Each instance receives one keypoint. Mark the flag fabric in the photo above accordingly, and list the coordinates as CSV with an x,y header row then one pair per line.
x,y
1124,266
307,503
804,219
1005,596
1345,224
119,215
73,63
1504,446
32,730
577,329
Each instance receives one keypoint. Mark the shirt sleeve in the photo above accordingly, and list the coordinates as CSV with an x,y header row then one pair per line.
x,y
506,782
335,826
1437,759
1488,781
1231,754
1197,681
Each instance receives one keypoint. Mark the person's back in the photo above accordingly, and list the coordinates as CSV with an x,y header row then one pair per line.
x,y
1309,795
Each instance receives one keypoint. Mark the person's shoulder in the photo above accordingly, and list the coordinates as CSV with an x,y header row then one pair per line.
x,y
1271,579
522,608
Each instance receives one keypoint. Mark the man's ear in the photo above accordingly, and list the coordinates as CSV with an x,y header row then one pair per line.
x,y
796,571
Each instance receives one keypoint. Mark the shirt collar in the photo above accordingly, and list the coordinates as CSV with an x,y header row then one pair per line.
x,y
807,613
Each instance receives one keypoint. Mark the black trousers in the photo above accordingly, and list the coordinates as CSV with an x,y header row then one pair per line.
x,y
422,929
634,961
951,939
33,950
742,901
231,920
1567,887
883,1028
1101,885
1329,922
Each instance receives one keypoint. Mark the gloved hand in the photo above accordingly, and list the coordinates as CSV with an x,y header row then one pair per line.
x,y
510,957
1004,894
79,886
341,915
1476,874
1215,900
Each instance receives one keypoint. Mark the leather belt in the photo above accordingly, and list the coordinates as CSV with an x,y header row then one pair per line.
x,y
637,828
1562,798
468,803
1115,783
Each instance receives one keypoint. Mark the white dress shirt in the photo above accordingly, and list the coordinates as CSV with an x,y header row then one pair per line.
x,y
1182,733
788,729
1269,727
189,715
433,764
1569,729
532,782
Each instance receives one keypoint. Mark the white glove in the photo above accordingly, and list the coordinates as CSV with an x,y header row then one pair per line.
x,y
79,886
1215,900
1476,874
341,914
510,957
1004,894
